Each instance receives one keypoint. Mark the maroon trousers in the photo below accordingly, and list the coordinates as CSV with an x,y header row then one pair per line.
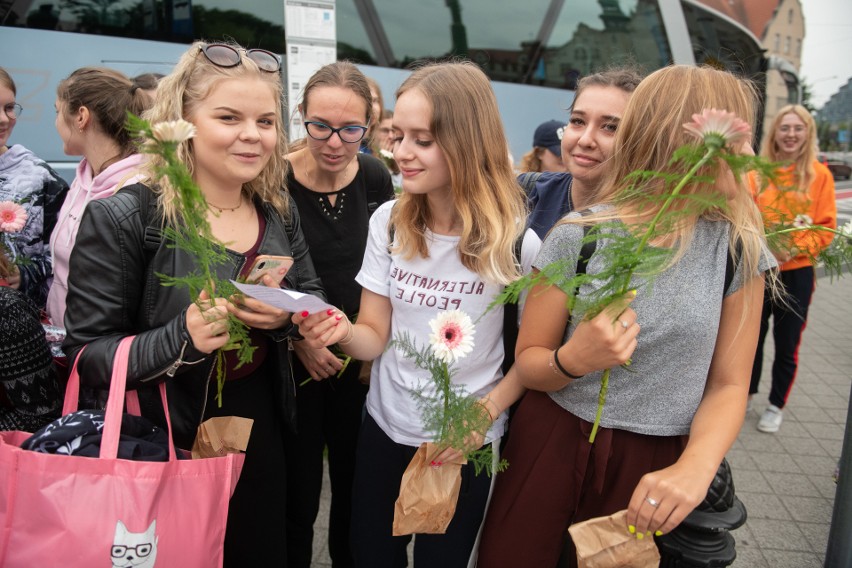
x,y
556,478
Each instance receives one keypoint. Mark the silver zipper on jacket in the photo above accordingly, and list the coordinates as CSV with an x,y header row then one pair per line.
x,y
173,367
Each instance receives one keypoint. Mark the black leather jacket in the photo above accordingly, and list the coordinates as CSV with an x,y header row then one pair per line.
x,y
114,292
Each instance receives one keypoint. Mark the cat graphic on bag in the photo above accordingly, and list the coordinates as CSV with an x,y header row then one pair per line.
x,y
136,550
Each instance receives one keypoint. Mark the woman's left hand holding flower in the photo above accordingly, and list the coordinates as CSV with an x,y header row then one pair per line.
x,y
257,314
474,440
664,498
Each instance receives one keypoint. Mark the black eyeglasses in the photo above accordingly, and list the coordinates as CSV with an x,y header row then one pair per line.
x,y
224,55
322,131
13,110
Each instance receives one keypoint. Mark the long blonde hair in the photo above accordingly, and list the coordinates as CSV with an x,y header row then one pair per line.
x,y
803,163
649,133
486,196
178,96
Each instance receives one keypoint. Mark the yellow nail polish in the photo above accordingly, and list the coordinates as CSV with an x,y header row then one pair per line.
x,y
648,533
658,533
640,536
631,529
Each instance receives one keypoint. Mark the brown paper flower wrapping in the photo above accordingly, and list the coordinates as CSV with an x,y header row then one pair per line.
x,y
221,435
427,495
605,543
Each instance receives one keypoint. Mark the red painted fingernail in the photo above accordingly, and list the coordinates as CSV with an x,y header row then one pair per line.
x,y
440,463
338,317
433,464
330,312
304,314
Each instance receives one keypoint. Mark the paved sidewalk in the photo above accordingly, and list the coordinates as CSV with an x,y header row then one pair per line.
x,y
784,479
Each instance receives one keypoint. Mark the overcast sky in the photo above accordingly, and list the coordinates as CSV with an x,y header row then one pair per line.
x,y
827,50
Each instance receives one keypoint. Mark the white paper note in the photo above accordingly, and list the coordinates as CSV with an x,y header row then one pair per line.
x,y
287,300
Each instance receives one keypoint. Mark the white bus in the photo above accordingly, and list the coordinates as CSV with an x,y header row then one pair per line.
x,y
534,50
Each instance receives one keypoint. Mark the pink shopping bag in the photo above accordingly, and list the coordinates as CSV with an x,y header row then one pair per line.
x,y
60,510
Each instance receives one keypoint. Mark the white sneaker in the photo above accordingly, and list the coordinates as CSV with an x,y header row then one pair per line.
x,y
770,422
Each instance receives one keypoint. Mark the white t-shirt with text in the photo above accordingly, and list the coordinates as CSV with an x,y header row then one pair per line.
x,y
418,290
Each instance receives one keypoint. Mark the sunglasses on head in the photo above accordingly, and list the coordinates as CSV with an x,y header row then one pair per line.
x,y
224,55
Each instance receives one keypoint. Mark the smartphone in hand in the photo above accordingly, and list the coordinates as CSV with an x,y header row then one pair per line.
x,y
273,265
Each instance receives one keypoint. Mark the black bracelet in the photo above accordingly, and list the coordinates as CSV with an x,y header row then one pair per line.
x,y
561,368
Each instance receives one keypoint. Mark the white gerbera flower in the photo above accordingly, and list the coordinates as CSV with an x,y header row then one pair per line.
x,y
802,221
173,131
452,335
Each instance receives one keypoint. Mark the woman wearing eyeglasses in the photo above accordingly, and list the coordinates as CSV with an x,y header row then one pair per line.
x,y
455,229
237,158
27,180
802,188
336,189
91,109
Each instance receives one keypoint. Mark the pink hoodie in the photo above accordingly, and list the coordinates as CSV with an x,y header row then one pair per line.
x,y
84,189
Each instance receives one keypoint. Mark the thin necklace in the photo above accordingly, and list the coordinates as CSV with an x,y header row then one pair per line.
x,y
223,209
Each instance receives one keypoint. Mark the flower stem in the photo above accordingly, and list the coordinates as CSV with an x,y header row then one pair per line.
x,y
445,391
806,228
601,401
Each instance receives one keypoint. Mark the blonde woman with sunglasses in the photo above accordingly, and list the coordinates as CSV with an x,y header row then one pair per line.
x,y
233,97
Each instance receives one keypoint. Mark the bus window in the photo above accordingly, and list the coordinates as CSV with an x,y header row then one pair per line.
x,y
256,23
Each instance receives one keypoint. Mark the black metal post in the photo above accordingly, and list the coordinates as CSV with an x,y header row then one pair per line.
x,y
839,551
703,538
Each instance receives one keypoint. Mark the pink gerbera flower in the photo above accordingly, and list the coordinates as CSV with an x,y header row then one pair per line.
x,y
452,335
13,217
719,128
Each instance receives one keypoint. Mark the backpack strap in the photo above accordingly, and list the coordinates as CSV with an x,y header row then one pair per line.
x,y
510,317
528,181
374,199
153,234
729,266
374,195
588,248
586,253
